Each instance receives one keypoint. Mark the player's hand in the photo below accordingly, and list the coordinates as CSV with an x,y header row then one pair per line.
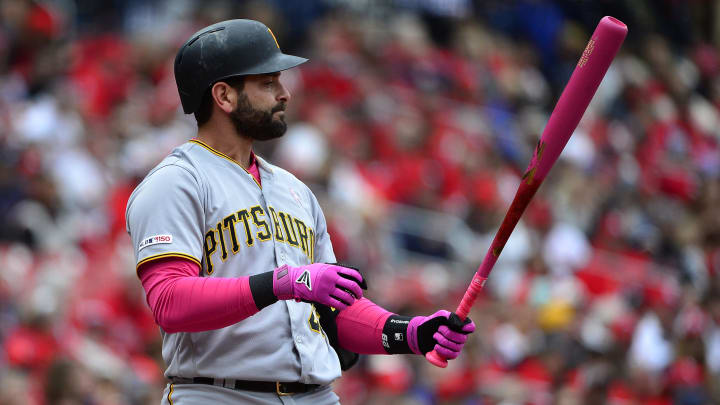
x,y
442,331
328,284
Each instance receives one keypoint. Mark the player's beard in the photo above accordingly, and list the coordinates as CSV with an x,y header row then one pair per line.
x,y
257,124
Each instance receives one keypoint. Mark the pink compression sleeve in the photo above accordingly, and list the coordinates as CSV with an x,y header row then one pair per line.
x,y
360,327
181,301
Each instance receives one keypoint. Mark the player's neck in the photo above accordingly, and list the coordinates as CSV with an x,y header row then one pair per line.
x,y
225,140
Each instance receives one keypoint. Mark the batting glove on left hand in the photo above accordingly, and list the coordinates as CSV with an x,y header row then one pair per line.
x,y
442,331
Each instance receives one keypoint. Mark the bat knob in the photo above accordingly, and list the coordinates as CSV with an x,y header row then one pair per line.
x,y
434,358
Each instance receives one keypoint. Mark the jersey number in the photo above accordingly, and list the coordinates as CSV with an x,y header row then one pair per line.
x,y
314,321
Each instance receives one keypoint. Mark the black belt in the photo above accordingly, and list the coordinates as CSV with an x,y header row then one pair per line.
x,y
280,388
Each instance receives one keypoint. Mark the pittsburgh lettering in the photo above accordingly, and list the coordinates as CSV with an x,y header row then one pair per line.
x,y
249,225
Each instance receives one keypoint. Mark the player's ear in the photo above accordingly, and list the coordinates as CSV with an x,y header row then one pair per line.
x,y
224,96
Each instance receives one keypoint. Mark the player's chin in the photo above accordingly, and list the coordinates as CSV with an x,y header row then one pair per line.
x,y
275,130
279,120
279,127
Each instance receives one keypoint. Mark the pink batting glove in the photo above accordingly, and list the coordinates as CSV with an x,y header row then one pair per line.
x,y
328,284
442,331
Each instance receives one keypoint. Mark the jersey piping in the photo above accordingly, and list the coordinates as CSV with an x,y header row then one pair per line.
x,y
224,156
164,255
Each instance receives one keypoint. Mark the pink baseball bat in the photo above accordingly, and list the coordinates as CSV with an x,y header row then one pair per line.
x,y
585,80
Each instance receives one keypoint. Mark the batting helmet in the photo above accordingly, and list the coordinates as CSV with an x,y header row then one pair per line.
x,y
226,49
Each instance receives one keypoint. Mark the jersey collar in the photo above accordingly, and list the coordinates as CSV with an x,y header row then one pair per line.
x,y
261,162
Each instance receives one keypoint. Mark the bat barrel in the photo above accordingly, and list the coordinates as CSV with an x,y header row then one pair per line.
x,y
575,98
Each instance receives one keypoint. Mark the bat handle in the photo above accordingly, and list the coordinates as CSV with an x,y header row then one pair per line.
x,y
462,311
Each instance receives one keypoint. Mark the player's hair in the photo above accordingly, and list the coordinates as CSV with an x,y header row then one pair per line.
x,y
204,111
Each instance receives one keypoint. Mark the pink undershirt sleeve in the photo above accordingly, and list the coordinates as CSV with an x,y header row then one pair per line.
x,y
181,301
360,327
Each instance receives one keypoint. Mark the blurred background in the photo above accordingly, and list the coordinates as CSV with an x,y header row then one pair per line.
x,y
412,123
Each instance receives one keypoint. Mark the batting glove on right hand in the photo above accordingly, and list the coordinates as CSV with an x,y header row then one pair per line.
x,y
327,284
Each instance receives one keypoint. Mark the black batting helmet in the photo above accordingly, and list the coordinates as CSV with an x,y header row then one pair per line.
x,y
226,49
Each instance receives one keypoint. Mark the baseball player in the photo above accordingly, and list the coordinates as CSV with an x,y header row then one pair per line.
x,y
234,253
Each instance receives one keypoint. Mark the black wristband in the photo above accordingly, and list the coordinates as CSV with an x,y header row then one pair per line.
x,y
261,287
394,334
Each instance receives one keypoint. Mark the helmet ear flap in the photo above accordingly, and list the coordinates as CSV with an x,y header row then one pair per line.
x,y
204,110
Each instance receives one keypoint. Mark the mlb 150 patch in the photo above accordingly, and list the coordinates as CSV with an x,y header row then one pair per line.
x,y
154,240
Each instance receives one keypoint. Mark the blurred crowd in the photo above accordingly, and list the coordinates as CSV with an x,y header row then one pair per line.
x,y
412,123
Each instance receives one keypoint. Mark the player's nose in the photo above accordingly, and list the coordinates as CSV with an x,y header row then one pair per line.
x,y
283,94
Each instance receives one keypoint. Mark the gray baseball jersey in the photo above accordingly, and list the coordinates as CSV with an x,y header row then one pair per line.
x,y
201,205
